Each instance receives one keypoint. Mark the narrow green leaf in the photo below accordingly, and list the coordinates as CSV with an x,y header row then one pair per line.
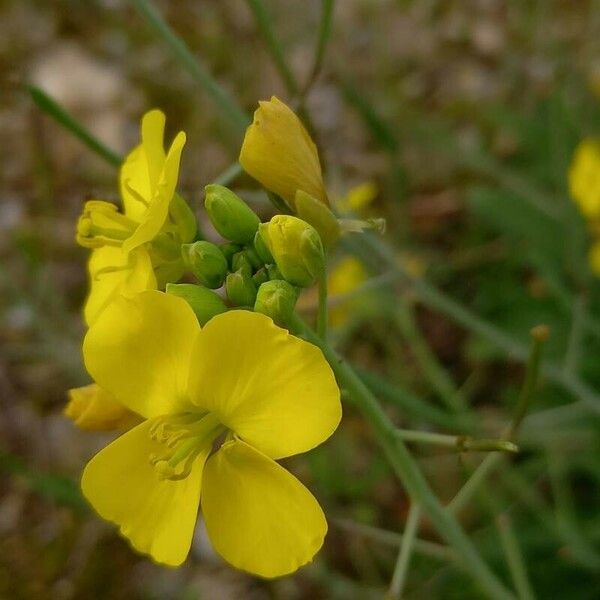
x,y
62,117
238,118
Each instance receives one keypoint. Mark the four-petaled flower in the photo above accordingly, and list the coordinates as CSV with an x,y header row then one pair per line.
x,y
240,383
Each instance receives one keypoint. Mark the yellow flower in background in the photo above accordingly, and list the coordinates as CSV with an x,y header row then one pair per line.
x,y
93,409
266,394
279,153
358,198
348,275
584,178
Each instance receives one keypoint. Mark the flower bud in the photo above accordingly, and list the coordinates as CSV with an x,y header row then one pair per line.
x,y
260,276
277,300
229,250
183,218
205,303
240,262
261,249
93,409
206,262
296,248
230,215
311,210
240,289
279,153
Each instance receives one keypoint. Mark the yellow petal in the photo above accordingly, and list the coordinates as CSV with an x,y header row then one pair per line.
x,y
275,391
93,409
156,214
259,517
280,154
139,350
141,169
584,178
347,275
113,274
156,515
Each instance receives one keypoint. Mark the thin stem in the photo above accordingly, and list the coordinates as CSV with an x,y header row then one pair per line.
x,y
322,39
539,336
391,538
59,114
230,174
574,344
460,443
406,550
265,26
407,469
198,72
439,379
322,315
514,557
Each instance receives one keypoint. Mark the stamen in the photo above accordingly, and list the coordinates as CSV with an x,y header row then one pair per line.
x,y
185,437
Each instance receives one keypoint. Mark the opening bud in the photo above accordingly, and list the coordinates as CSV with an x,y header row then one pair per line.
x,y
296,247
240,288
205,303
206,262
277,300
230,215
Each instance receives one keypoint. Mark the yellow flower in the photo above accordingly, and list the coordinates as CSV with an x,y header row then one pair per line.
x,y
240,380
112,273
584,178
93,409
358,198
280,154
345,277
138,249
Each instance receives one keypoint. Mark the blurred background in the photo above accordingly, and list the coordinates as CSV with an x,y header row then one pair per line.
x,y
462,118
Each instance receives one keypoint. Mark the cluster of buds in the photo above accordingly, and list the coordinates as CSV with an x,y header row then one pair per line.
x,y
262,266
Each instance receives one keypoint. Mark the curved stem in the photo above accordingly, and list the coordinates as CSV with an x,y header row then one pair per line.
x,y
407,470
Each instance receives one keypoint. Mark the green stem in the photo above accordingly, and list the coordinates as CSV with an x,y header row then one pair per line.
x,y
391,538
200,75
438,378
322,39
406,550
460,443
59,114
514,557
231,173
322,315
265,26
407,469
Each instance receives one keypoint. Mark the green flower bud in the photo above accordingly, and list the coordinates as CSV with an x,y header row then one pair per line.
x,y
273,272
205,303
206,262
319,216
261,248
277,300
230,215
253,257
240,262
240,289
229,250
183,218
260,276
296,248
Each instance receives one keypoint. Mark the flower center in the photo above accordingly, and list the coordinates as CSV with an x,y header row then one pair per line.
x,y
184,437
101,224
